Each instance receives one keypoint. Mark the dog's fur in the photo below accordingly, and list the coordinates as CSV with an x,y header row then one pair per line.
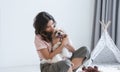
x,y
57,37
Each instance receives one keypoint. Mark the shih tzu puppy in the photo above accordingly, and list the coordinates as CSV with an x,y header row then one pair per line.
x,y
57,38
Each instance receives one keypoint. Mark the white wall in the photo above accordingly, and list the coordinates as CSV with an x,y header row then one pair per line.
x,y
17,32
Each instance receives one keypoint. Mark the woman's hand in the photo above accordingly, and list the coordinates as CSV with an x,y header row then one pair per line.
x,y
65,41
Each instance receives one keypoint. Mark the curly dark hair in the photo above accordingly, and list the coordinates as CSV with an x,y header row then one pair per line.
x,y
40,24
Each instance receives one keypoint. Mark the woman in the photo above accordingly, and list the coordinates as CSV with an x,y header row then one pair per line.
x,y
44,25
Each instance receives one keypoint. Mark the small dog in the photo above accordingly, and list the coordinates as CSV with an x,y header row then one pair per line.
x,y
57,37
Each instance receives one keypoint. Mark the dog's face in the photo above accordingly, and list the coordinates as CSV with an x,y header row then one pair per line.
x,y
59,34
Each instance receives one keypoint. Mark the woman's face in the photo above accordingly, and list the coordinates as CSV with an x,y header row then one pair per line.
x,y
50,26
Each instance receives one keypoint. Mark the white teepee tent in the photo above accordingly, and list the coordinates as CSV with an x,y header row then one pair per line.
x,y
104,42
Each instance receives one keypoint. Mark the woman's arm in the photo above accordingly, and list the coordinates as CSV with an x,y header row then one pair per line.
x,y
70,47
49,55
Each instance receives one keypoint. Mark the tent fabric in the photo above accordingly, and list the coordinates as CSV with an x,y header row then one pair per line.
x,y
105,41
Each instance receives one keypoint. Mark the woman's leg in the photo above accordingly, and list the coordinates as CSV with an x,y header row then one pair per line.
x,y
77,62
61,66
64,66
79,56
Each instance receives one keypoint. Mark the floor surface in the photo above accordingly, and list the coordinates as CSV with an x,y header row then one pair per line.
x,y
36,68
